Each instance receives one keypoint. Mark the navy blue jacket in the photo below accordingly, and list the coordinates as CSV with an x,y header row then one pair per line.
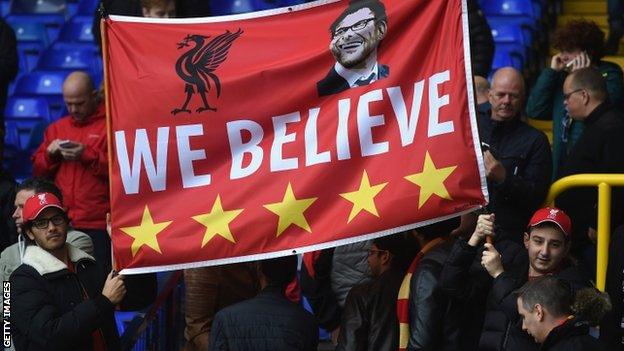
x,y
267,322
525,153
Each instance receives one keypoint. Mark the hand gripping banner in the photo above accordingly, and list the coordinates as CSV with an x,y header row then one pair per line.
x,y
259,135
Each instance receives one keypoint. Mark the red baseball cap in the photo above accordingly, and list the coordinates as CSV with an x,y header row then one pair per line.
x,y
39,202
553,215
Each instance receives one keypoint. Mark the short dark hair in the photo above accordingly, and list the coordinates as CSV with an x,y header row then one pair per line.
x,y
590,79
279,271
40,185
375,6
402,246
554,294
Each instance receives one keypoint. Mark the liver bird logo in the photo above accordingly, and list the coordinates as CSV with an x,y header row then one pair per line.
x,y
197,65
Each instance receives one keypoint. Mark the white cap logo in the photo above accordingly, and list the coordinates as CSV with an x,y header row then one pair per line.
x,y
553,213
42,199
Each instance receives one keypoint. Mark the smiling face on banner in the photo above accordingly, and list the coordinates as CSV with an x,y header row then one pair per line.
x,y
356,37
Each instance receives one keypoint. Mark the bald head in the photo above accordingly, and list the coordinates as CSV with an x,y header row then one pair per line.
x,y
79,95
507,94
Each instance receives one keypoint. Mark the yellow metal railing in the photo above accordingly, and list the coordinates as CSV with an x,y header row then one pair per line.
x,y
604,182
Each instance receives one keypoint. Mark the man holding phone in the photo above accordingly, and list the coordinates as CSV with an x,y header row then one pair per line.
x,y
74,154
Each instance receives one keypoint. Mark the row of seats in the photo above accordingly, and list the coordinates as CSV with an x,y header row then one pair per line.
x,y
516,25
68,8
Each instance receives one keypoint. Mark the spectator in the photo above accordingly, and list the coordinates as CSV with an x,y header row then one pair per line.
x,y
580,45
269,321
517,156
430,316
545,305
328,275
8,71
600,149
547,243
612,328
369,319
58,301
74,154
481,41
10,258
210,289
482,89
8,232
158,8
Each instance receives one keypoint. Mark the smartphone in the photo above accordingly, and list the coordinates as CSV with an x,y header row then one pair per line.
x,y
67,144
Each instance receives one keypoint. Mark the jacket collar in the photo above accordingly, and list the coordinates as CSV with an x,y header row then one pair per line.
x,y
45,263
571,328
597,113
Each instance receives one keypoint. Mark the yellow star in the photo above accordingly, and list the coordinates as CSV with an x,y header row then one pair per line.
x,y
145,233
364,197
431,181
217,222
290,211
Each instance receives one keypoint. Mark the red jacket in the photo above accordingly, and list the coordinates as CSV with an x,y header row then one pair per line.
x,y
84,183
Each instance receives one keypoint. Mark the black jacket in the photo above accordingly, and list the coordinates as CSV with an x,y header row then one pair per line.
x,y
369,319
8,64
481,40
8,232
600,149
434,317
48,309
612,327
463,278
268,322
327,277
504,297
573,335
525,153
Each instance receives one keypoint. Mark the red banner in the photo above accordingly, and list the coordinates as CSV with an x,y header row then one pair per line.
x,y
251,136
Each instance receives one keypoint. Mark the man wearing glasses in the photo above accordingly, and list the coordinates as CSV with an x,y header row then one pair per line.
x,y
599,149
516,157
58,301
356,34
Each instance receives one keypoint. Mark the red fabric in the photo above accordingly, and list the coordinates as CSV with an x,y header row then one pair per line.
x,y
84,183
170,167
309,258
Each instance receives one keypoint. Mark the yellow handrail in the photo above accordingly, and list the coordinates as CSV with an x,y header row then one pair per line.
x,y
604,182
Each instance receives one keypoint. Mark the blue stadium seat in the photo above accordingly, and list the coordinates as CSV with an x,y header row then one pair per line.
x,y
5,7
87,7
78,29
67,57
48,84
27,113
227,7
27,107
52,22
272,4
28,31
506,30
29,52
507,8
39,6
11,137
504,59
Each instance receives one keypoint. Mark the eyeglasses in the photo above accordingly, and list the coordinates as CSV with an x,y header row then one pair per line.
x,y
567,96
43,223
357,26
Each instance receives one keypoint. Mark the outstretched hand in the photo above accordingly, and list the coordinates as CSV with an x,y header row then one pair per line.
x,y
491,261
